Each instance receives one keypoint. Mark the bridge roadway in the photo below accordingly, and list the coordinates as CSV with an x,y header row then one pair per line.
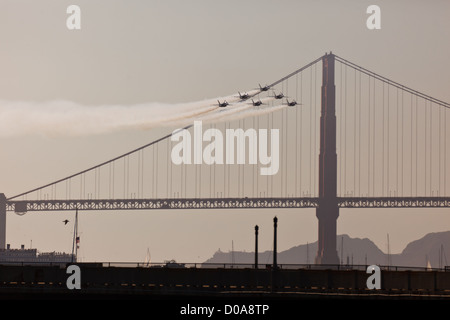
x,y
111,282
22,206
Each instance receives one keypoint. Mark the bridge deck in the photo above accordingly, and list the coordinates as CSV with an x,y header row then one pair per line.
x,y
224,203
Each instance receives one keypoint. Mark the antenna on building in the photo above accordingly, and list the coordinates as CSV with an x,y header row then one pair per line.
x,y
148,258
256,246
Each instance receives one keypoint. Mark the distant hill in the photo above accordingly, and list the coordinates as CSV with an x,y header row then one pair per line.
x,y
429,247
355,251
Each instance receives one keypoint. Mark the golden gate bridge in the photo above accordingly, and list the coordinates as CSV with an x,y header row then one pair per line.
x,y
355,139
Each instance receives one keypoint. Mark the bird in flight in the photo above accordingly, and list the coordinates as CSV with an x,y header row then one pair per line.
x,y
65,221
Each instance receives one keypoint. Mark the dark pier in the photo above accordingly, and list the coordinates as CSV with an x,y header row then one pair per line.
x,y
97,281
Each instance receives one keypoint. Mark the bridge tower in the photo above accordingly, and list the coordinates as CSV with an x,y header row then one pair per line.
x,y
327,211
2,221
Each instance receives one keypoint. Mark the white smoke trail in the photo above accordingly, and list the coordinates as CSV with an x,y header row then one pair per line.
x,y
69,118
225,113
57,118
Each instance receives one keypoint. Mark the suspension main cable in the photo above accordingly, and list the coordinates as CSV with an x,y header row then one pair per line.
x,y
102,164
393,83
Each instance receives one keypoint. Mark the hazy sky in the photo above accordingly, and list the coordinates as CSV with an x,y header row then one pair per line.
x,y
136,52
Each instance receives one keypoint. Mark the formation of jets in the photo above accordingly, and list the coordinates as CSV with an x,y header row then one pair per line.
x,y
245,96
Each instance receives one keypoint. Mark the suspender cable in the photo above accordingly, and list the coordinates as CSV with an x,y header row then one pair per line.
x,y
296,135
255,167
374,136
315,177
287,150
397,148
214,170
167,170
171,178
359,136
301,130
239,169
269,117
142,171
211,191
128,175
195,181
310,132
388,142
403,142
153,172
224,167
285,129
200,181
382,155
431,148
181,179
341,160
354,140
282,151
439,148
228,177
345,133
113,178
425,153
445,152
417,143
139,175
185,175
368,144
271,176
411,142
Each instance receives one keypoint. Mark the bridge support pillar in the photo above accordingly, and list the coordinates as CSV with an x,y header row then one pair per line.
x,y
2,221
327,215
327,211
